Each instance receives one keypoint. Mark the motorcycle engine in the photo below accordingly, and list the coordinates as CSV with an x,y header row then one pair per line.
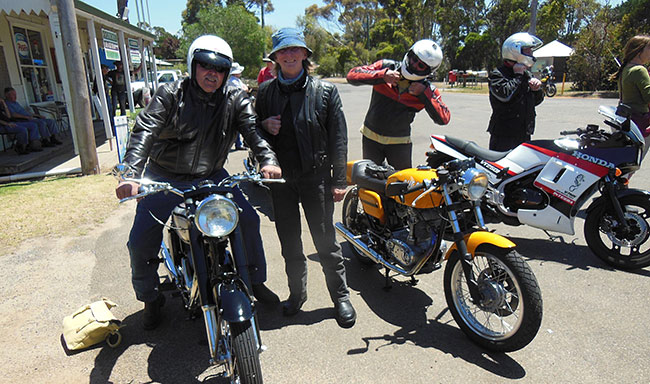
x,y
408,245
522,194
526,198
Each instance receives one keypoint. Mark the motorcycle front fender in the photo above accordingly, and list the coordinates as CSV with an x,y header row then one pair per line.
x,y
235,305
619,194
475,239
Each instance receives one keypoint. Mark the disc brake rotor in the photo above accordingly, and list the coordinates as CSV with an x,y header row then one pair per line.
x,y
635,235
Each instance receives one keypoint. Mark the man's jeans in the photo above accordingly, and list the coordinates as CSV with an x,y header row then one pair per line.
x,y
46,127
121,97
146,235
25,131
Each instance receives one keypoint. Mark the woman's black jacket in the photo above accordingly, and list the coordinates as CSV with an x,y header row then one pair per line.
x,y
321,131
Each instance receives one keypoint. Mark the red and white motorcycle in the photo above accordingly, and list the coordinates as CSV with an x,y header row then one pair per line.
x,y
544,183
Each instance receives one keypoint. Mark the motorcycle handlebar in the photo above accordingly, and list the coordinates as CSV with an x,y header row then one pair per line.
x,y
591,128
150,187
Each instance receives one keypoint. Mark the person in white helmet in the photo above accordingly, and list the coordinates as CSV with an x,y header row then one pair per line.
x,y
400,90
514,93
183,137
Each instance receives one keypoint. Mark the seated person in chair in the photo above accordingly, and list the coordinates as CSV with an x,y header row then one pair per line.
x,y
26,133
47,127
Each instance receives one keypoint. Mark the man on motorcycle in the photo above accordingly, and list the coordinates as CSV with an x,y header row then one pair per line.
x,y
400,90
183,136
514,93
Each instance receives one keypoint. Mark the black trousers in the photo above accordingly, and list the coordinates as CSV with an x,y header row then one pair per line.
x,y
397,155
313,192
504,143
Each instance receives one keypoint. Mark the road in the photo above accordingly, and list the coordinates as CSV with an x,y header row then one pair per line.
x,y
594,327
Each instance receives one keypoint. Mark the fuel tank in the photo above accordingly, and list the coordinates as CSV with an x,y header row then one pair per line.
x,y
413,176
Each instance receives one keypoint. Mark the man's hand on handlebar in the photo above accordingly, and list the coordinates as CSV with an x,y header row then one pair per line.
x,y
126,189
271,172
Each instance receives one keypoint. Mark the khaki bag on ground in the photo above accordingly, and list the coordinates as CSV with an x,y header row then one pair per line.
x,y
92,324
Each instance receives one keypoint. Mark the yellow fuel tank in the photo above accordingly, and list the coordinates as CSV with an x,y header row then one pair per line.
x,y
415,175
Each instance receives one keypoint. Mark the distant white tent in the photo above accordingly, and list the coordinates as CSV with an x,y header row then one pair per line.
x,y
554,49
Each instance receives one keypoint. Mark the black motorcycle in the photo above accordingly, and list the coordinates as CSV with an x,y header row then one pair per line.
x,y
203,252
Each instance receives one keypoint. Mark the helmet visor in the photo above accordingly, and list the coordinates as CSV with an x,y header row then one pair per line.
x,y
417,66
211,60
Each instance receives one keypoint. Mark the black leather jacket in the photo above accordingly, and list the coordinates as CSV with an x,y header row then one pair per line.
x,y
185,133
513,102
321,131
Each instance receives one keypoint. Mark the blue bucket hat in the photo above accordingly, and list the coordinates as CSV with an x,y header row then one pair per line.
x,y
285,38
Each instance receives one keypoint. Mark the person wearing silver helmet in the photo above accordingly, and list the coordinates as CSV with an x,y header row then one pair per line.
x,y
183,137
400,90
514,93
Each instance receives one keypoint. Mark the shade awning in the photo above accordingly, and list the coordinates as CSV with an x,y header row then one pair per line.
x,y
27,6
554,49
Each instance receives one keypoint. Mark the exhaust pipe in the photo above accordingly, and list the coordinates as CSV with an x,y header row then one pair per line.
x,y
363,248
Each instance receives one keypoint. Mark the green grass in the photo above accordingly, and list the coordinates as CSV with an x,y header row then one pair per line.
x,y
56,206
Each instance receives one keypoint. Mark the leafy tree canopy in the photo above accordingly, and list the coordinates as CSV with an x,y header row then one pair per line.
x,y
235,25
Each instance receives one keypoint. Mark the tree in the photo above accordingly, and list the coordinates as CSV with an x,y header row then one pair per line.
x,y
193,7
635,19
479,51
507,17
457,19
591,63
166,44
235,25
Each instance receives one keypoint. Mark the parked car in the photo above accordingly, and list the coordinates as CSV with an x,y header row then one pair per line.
x,y
141,93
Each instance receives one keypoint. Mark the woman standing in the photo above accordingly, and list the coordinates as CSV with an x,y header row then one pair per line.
x,y
302,118
634,82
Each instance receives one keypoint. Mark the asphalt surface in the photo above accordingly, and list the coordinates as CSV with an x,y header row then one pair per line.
x,y
594,329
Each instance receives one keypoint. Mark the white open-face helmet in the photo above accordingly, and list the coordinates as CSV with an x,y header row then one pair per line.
x,y
212,51
426,52
512,48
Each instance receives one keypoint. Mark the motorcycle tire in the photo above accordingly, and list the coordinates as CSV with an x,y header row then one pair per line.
x,y
609,244
510,312
245,353
551,90
350,212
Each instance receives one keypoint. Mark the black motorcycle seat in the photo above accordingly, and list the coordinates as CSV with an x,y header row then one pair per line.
x,y
368,180
472,149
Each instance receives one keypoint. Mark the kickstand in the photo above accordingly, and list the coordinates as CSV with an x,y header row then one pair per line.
x,y
552,237
413,281
388,282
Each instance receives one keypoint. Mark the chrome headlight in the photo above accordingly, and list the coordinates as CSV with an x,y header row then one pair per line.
x,y
474,184
216,216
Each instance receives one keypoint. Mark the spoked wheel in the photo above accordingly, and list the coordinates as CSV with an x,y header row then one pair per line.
x,y
551,90
620,247
509,312
352,212
244,363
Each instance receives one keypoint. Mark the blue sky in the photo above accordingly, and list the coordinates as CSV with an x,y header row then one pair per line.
x,y
167,13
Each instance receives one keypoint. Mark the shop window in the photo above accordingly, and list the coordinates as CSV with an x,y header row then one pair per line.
x,y
33,65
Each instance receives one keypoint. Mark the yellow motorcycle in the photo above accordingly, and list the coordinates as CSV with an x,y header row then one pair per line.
x,y
403,220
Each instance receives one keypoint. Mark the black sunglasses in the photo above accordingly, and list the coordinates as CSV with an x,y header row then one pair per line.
x,y
214,67
210,60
